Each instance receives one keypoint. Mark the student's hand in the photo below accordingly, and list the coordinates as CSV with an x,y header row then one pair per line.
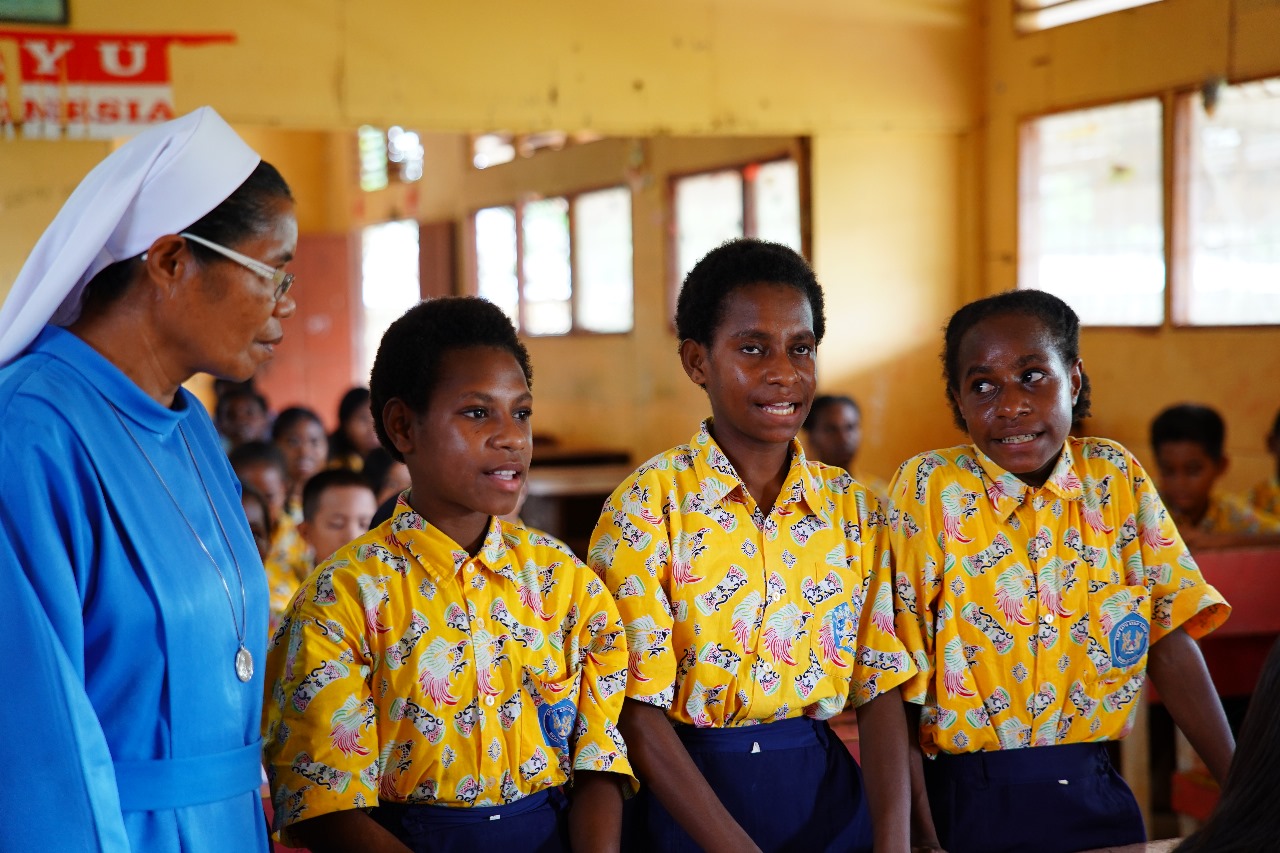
x,y
348,831
661,762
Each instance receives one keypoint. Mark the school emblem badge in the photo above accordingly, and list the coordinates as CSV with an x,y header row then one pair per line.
x,y
1129,639
557,722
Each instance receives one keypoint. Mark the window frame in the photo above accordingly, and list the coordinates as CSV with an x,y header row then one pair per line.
x,y
575,294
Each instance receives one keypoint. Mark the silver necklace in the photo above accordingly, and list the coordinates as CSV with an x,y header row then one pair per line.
x,y
243,660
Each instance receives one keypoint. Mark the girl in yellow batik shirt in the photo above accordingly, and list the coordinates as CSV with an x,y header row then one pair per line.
x,y
754,586
1038,578
439,679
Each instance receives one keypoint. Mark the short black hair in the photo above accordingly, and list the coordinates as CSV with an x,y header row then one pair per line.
x,y
257,453
1061,322
1190,422
377,465
244,213
824,401
354,400
323,481
1275,426
738,263
408,360
290,418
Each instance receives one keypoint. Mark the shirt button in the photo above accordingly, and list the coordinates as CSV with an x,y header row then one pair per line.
x,y
1048,619
489,700
470,567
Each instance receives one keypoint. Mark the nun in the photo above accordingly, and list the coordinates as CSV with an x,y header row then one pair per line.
x,y
134,603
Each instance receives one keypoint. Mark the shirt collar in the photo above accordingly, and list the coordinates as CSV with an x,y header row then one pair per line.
x,y
121,392
718,479
439,554
1007,491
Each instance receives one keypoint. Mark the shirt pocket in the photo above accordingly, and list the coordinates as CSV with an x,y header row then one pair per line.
x,y
547,728
1119,633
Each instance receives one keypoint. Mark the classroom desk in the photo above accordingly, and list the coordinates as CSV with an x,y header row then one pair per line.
x,y
1250,581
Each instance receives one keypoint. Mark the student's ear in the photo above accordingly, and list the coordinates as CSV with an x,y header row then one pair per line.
x,y
397,420
693,357
1077,380
304,530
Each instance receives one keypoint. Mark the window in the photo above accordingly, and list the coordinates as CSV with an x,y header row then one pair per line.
x,y
1094,197
398,150
757,200
389,280
1232,275
1030,16
559,265
1091,221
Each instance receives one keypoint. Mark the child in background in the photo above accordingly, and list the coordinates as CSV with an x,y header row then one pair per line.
x,y
387,475
241,416
440,679
355,437
300,436
337,506
1266,495
1039,577
288,560
754,587
258,514
1188,443
833,436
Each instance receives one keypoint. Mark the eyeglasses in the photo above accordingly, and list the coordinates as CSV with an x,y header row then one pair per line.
x,y
281,279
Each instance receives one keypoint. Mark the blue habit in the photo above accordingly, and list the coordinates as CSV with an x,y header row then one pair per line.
x,y
127,726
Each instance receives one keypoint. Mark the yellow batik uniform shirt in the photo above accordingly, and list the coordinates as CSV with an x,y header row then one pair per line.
x,y
1029,612
287,565
1265,497
736,617
1229,514
406,671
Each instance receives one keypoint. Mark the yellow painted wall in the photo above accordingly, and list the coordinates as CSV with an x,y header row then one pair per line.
x,y
1160,49
886,90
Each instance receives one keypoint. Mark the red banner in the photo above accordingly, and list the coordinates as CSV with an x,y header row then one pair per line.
x,y
96,85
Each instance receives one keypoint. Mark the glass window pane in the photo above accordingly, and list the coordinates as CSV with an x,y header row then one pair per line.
x,y
1234,218
602,254
373,158
388,280
1092,229
496,259
547,276
708,212
1035,15
777,189
548,318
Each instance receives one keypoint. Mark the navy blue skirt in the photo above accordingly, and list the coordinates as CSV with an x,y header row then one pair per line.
x,y
537,823
1047,799
791,785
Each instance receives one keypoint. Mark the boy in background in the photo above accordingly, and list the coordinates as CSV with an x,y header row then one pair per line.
x,y
337,506
1266,495
833,436
1188,441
